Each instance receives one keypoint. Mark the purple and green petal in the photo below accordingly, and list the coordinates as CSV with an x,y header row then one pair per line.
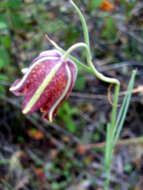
x,y
46,84
59,92
35,92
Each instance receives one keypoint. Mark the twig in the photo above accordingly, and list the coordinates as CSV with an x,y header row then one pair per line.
x,y
119,143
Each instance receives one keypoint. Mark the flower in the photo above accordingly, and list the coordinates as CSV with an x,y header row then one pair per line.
x,y
46,83
107,6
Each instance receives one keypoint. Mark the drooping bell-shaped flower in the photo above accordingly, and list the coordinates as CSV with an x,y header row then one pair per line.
x,y
46,83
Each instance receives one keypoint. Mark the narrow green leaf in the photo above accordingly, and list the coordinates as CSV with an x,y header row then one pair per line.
x,y
124,108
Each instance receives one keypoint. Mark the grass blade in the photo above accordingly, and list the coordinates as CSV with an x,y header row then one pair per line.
x,y
124,108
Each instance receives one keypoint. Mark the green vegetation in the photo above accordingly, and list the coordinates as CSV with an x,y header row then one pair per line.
x,y
70,152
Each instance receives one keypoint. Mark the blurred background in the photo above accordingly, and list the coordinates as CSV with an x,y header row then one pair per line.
x,y
68,154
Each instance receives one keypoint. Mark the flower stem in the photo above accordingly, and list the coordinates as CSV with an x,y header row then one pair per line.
x,y
72,48
92,67
102,77
111,128
84,25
